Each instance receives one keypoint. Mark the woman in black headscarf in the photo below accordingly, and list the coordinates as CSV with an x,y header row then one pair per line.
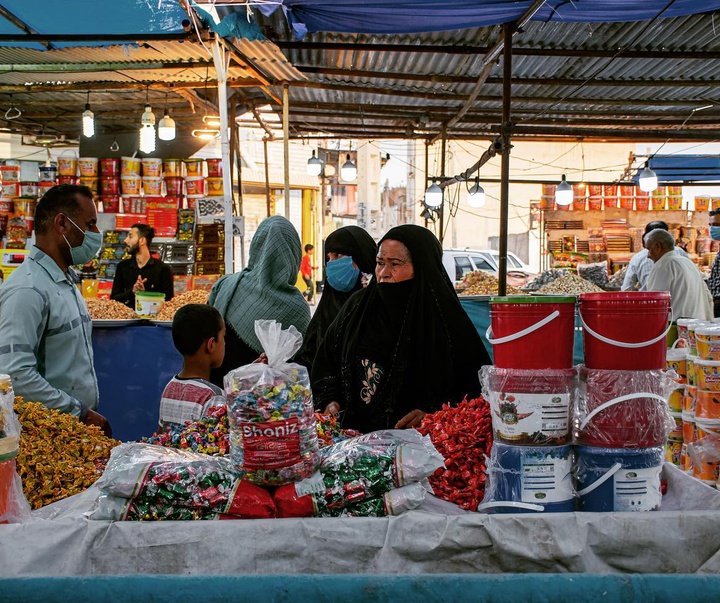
x,y
349,253
401,347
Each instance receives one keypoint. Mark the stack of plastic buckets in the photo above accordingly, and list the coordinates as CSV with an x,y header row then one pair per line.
x,y
701,402
530,389
622,414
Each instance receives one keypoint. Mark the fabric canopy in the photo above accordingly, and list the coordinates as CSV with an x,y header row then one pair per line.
x,y
89,17
418,16
685,168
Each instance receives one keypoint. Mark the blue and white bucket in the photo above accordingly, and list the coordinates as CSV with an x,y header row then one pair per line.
x,y
610,479
529,479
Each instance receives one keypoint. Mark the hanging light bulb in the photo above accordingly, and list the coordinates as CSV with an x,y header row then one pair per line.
x,y
205,134
476,194
314,165
433,195
564,193
88,120
211,121
166,127
147,131
647,180
348,171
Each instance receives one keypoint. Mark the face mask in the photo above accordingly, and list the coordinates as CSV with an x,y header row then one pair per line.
x,y
341,274
715,233
87,249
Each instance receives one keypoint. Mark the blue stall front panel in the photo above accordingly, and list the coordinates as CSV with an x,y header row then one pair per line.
x,y
133,366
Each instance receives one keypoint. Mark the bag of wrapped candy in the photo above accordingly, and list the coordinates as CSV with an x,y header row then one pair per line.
x,y
273,436
358,470
146,482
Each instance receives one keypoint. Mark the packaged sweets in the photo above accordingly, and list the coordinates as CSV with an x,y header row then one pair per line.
x,y
146,482
360,469
273,435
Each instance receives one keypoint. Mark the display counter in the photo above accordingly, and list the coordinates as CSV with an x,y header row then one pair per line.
x,y
133,364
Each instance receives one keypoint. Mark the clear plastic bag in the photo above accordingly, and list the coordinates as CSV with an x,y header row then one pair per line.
x,y
146,482
623,409
705,456
529,479
273,434
14,507
9,424
360,469
530,407
596,273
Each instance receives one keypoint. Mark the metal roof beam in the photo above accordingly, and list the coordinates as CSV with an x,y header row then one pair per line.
x,y
99,66
519,81
17,22
110,86
475,50
100,38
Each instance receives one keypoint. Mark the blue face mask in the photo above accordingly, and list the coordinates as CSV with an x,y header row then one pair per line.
x,y
715,233
341,274
87,249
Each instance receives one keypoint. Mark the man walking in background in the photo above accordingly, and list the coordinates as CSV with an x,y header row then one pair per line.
x,y
306,271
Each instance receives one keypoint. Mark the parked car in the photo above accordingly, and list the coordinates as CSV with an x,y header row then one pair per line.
x,y
458,262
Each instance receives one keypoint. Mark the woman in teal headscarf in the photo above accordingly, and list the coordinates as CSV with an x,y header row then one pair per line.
x,y
265,290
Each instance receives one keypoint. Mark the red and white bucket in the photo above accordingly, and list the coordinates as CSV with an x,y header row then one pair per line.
x,y
623,409
532,332
625,330
530,408
214,168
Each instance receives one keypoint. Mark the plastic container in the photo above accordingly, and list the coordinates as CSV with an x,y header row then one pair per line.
x,y
44,187
130,185
28,189
7,206
682,329
67,166
172,168
195,187
532,332
690,400
88,167
692,340
152,186
152,167
675,401
673,453
625,331
676,435
618,480
627,203
707,342
529,479
110,166
110,204
91,183
148,303
47,173
623,409
706,428
25,207
642,200
691,372
214,187
214,168
702,203
708,375
689,428
707,405
10,189
64,180
110,185
174,185
129,166
10,173
530,408
676,360
193,168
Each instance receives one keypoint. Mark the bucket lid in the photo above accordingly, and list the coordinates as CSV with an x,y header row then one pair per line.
x,y
700,362
676,415
149,295
675,354
708,424
708,330
686,322
688,417
528,299
636,296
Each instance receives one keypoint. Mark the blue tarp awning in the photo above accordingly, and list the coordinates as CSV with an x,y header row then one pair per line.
x,y
89,17
685,168
419,16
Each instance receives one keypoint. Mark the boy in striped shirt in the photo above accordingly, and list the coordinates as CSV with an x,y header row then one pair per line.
x,y
198,332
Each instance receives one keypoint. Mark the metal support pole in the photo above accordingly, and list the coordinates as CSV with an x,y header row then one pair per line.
x,y
221,61
508,29
443,153
286,148
427,163
267,178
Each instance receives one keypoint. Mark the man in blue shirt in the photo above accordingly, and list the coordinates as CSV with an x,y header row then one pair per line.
x,y
45,341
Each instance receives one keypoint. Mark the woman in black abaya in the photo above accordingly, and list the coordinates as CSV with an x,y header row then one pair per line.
x,y
401,347
349,253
